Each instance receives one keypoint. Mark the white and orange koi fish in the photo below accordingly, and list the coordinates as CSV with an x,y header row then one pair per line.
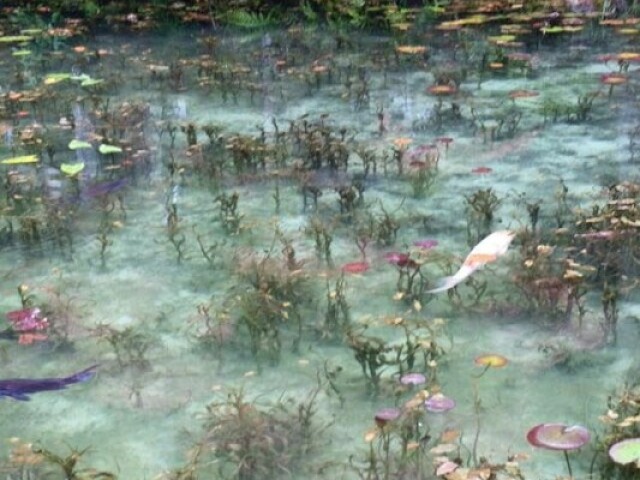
x,y
488,250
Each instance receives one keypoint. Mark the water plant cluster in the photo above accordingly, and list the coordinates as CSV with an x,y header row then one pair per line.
x,y
307,236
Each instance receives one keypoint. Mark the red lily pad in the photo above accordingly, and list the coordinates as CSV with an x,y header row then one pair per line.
x,y
355,267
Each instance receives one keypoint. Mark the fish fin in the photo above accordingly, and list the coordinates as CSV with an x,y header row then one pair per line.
x,y
448,283
82,376
18,396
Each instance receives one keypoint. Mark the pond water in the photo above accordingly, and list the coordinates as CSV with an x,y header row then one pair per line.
x,y
277,208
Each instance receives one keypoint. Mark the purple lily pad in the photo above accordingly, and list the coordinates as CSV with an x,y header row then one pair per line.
x,y
557,436
439,403
386,415
413,379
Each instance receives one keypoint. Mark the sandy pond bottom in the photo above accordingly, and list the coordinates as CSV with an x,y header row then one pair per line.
x,y
140,422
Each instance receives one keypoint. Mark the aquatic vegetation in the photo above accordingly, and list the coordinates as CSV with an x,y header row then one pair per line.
x,y
625,452
130,345
337,320
108,140
557,436
481,209
621,427
246,439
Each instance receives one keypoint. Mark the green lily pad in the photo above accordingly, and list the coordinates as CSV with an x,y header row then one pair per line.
x,y
76,144
53,78
81,78
107,149
72,169
556,29
15,39
626,451
31,31
90,82
21,53
20,160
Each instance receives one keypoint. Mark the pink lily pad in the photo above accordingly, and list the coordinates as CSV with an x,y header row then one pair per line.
x,y
386,415
413,379
557,436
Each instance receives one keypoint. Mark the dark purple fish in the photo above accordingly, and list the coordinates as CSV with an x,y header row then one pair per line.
x,y
104,188
21,388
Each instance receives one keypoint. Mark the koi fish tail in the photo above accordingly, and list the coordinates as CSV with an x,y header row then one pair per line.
x,y
448,283
83,376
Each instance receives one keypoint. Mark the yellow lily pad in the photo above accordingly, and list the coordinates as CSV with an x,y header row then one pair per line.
x,y
20,160
15,39
72,169
53,78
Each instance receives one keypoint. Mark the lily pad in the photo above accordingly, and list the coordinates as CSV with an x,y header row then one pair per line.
x,y
626,451
107,149
72,169
82,77
90,82
53,78
557,436
76,144
21,53
15,39
491,360
20,160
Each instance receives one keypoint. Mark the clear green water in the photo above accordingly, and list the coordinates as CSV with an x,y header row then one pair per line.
x,y
140,422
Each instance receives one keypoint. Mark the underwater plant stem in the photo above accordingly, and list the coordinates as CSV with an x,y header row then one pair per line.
x,y
476,437
566,457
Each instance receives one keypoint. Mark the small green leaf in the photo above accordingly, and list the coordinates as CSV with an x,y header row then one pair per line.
x,y
71,169
76,144
107,149
21,53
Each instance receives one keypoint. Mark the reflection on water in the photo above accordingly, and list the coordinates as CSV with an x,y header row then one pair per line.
x,y
244,235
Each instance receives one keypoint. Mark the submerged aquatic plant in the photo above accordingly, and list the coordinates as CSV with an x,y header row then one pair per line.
x,y
242,440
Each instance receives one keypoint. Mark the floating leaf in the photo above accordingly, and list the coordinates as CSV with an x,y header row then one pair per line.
x,y
81,77
15,39
107,149
21,53
90,82
76,144
53,78
20,160
626,451
72,169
